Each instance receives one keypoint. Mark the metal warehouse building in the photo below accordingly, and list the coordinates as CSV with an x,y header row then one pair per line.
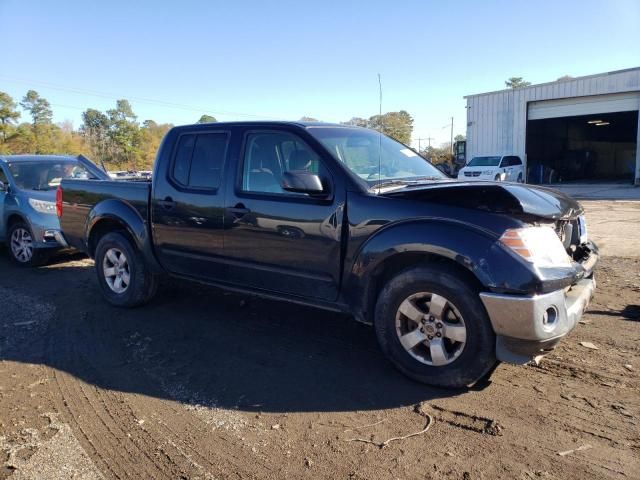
x,y
579,130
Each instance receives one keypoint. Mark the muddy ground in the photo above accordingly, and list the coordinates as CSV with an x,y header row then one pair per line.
x,y
204,384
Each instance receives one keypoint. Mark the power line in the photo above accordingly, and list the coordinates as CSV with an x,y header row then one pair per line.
x,y
112,96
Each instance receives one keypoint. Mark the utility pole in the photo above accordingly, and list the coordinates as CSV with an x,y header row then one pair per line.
x,y
452,136
420,142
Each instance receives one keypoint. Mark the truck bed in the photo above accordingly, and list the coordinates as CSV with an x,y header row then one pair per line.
x,y
81,196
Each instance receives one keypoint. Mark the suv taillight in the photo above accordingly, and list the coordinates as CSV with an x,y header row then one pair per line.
x,y
59,201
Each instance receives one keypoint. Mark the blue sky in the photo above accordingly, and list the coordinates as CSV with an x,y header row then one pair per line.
x,y
285,59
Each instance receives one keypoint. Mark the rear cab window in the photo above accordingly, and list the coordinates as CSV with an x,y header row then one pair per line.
x,y
198,160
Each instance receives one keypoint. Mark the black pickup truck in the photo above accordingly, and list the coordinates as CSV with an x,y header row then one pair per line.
x,y
454,276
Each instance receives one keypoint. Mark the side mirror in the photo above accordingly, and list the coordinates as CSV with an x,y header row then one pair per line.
x,y
302,181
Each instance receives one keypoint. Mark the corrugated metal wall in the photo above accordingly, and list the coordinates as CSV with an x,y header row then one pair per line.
x,y
496,121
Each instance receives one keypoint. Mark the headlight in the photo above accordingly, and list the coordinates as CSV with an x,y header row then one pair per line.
x,y
42,206
537,245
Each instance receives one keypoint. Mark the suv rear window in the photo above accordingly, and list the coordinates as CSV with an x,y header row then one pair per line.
x,y
199,159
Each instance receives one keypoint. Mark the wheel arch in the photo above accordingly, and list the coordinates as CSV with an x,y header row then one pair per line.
x,y
470,252
15,217
115,215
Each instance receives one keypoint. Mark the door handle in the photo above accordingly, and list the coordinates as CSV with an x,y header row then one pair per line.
x,y
167,203
239,210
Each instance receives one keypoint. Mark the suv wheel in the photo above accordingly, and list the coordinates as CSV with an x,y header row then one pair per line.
x,y
520,179
124,278
433,327
22,246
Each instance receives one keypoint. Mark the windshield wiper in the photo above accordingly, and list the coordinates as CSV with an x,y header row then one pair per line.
x,y
420,179
391,183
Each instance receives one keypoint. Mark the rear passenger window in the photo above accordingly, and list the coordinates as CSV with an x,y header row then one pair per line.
x,y
182,161
199,159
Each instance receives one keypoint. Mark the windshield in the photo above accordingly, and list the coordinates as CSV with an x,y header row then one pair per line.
x,y
484,162
359,149
46,175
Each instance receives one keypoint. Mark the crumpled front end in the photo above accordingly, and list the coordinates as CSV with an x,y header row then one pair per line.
x,y
531,325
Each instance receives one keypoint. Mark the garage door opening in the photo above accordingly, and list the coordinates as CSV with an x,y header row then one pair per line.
x,y
583,149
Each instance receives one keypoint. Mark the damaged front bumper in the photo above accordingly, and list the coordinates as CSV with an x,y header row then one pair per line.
x,y
529,326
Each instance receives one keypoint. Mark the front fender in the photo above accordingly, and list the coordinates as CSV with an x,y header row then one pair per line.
x,y
472,248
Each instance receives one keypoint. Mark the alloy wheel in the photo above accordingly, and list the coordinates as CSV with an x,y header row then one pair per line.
x,y
22,245
431,329
115,269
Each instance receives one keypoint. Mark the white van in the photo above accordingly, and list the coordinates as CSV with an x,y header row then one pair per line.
x,y
507,168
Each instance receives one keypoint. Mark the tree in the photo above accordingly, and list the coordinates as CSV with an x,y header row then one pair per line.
x,y
308,119
459,138
516,82
564,77
151,134
41,116
437,155
8,114
207,119
68,141
95,130
398,125
124,134
38,107
357,122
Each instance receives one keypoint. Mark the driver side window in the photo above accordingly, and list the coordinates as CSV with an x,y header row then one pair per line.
x,y
267,155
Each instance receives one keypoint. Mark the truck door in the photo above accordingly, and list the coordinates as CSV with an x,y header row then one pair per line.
x,y
277,240
188,203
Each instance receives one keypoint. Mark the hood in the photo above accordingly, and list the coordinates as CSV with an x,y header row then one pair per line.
x,y
507,198
44,195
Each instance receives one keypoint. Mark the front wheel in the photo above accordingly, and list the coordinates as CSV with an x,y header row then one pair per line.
x,y
520,179
22,246
123,275
433,327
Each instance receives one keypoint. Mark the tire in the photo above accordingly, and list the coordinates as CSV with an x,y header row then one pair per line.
x,y
520,180
467,361
137,285
497,178
21,250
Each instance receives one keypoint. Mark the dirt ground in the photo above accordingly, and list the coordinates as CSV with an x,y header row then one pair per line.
x,y
205,384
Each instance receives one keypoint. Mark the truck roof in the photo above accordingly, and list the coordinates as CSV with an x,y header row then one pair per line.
x,y
271,122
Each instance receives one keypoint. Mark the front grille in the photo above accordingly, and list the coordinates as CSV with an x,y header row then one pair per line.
x,y
564,229
471,174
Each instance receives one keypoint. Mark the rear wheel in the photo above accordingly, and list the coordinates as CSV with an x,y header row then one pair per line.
x,y
22,246
433,327
123,275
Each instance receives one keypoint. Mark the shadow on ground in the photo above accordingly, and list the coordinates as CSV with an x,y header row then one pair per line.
x,y
198,345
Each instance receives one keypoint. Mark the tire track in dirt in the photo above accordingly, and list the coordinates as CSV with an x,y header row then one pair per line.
x,y
110,426
109,441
